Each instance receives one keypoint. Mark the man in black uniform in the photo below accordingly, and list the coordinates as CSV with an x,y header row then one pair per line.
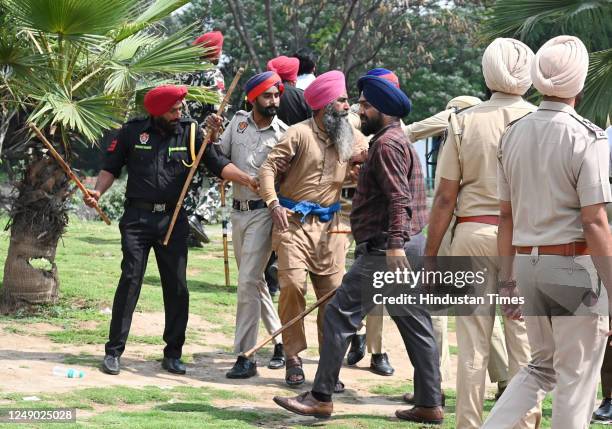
x,y
156,152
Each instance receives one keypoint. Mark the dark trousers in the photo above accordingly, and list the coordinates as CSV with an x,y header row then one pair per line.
x,y
140,231
606,373
346,310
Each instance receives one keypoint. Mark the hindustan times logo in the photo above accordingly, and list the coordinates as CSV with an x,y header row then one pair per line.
x,y
459,279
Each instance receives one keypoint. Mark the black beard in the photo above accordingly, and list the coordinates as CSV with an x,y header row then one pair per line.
x,y
268,112
370,126
167,127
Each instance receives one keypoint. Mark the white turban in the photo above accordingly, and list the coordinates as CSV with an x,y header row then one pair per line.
x,y
560,67
505,66
463,101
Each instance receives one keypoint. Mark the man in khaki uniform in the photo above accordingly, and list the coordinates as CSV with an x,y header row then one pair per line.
x,y
247,140
546,216
437,125
318,151
467,189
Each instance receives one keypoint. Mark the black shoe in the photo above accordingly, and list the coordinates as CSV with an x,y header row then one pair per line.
x,y
500,392
174,365
604,412
357,351
278,358
379,364
243,368
196,228
110,365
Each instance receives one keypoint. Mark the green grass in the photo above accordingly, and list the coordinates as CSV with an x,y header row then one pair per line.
x,y
88,260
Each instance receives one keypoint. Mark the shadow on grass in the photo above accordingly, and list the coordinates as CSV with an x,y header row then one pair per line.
x,y
195,286
99,240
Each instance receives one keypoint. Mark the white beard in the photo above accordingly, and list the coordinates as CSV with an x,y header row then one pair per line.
x,y
339,131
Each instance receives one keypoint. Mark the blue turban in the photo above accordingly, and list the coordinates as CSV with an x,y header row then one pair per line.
x,y
385,74
261,82
384,96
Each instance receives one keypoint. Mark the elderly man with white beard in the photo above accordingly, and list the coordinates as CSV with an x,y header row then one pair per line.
x,y
304,212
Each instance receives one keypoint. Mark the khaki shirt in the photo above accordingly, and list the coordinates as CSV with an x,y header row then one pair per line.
x,y
428,127
248,147
315,174
470,152
552,163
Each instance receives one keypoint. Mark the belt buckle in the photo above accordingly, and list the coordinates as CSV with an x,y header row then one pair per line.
x,y
244,206
159,208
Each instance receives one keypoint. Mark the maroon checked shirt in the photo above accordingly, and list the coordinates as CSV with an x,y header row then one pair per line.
x,y
389,202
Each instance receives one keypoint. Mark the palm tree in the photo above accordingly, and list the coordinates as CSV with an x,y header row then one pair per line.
x,y
77,69
535,21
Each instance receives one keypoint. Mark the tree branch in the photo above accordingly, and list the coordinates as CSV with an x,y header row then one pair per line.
x,y
271,38
332,58
236,9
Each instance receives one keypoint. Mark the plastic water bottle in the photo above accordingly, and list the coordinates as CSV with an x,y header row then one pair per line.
x,y
60,371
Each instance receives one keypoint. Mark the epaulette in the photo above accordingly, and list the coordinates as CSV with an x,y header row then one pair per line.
x,y
517,119
137,119
281,125
457,111
599,133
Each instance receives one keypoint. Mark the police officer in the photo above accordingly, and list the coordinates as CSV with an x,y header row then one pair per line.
x,y
247,140
467,188
555,219
156,152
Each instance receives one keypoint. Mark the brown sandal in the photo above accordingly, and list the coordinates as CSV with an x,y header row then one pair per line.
x,y
293,368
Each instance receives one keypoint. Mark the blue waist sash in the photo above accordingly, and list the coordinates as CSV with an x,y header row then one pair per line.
x,y
305,208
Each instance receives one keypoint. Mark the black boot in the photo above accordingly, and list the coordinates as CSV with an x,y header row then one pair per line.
x,y
197,230
173,365
357,350
243,368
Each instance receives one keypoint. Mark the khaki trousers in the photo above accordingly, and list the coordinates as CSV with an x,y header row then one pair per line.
x,y
251,238
292,301
474,333
567,351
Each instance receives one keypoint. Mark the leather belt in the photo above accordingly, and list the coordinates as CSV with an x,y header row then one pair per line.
x,y
248,205
577,248
488,219
151,207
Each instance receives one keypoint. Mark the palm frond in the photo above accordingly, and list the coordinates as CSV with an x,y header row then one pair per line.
x,y
518,17
127,48
89,116
157,10
203,95
597,102
173,54
70,17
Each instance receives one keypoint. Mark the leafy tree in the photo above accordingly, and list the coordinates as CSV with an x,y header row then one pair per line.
x,y
75,69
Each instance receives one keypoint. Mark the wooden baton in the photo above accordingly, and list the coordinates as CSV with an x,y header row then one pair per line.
x,y
224,226
67,170
289,324
194,167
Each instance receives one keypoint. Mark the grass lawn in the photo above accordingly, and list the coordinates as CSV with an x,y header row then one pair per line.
x,y
88,260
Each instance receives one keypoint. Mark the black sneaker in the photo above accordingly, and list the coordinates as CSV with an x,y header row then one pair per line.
x,y
243,368
604,412
278,359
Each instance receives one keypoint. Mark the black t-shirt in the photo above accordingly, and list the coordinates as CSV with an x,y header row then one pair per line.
x,y
293,108
156,161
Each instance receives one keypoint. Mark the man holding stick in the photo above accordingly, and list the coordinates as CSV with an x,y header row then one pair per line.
x,y
247,140
155,151
388,214
318,152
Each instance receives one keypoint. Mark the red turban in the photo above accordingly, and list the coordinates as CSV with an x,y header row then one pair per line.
x,y
285,67
161,99
326,88
213,41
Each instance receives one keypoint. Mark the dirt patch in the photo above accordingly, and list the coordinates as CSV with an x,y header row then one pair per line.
x,y
28,362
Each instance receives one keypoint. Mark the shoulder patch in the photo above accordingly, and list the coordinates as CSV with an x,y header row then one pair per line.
x,y
112,146
599,133
242,126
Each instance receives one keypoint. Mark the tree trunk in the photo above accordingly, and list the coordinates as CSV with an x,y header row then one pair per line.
x,y
38,219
